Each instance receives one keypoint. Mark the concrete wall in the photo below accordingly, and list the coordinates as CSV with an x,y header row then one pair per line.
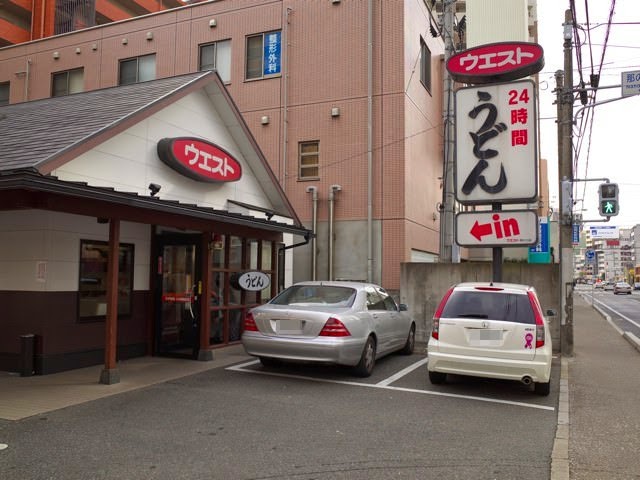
x,y
422,286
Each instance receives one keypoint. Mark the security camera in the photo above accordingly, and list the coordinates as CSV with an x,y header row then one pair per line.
x,y
154,188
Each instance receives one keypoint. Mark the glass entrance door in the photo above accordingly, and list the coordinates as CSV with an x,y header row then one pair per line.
x,y
178,296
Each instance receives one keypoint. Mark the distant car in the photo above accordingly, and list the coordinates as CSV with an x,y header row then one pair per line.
x,y
344,323
599,285
636,286
493,330
608,287
621,287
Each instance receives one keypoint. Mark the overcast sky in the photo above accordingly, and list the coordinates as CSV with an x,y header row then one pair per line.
x,y
611,149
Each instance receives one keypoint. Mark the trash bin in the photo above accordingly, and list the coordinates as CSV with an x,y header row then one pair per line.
x,y
27,343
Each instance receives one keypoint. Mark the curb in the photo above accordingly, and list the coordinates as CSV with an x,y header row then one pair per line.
x,y
560,453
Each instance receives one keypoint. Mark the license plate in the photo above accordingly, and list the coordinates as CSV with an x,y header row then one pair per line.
x,y
485,335
284,327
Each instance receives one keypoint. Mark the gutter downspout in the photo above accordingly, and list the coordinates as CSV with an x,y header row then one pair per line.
x,y
369,141
332,190
314,224
285,88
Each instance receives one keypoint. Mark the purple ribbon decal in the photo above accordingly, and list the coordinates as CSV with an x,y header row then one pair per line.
x,y
528,338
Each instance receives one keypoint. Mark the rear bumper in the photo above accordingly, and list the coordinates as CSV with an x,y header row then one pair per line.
x,y
340,351
539,370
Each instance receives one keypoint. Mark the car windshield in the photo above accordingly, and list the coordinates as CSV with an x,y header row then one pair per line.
x,y
320,294
495,306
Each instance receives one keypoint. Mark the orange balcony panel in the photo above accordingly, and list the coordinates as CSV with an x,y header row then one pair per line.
x,y
13,34
111,11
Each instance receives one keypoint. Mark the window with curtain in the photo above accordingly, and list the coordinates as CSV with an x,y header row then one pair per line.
x,y
217,56
138,69
67,82
263,55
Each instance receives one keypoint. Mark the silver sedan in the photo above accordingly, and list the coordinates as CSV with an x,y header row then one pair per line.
x,y
343,323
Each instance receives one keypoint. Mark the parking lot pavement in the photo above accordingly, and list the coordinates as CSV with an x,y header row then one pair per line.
x,y
409,374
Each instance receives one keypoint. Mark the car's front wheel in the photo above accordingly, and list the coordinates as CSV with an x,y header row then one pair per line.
x,y
364,368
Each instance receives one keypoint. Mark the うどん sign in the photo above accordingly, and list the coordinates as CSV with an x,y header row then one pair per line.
x,y
496,62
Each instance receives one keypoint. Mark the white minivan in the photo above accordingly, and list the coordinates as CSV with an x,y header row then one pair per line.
x,y
492,330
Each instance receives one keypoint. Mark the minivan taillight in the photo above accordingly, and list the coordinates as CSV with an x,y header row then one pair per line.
x,y
435,327
537,313
250,323
334,328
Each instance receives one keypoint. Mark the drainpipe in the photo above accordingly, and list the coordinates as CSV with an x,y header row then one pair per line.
x,y
370,141
332,189
26,80
285,85
314,224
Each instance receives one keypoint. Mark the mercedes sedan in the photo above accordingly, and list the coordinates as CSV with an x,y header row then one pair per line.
x,y
343,323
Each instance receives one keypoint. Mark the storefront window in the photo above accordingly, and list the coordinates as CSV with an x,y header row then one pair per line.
x,y
92,290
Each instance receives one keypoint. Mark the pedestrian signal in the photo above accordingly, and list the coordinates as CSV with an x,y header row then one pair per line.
x,y
608,205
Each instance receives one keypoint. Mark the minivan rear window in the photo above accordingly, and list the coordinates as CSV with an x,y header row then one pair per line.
x,y
507,307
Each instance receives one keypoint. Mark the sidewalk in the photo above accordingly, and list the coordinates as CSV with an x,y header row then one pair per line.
x,y
604,400
23,397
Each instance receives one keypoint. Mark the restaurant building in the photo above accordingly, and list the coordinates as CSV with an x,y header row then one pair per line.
x,y
135,220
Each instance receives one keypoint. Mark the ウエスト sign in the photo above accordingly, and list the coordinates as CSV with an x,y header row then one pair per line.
x,y
199,159
496,62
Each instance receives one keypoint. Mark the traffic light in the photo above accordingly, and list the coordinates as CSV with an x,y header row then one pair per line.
x,y
608,199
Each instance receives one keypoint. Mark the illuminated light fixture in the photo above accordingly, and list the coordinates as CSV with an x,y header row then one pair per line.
x,y
149,35
78,50
335,112
125,41
56,55
213,23
264,120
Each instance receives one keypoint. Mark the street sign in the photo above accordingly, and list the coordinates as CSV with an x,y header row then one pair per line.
x,y
501,228
630,83
541,252
496,144
575,234
590,255
604,231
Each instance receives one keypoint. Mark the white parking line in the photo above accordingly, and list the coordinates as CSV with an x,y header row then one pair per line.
x,y
241,368
402,373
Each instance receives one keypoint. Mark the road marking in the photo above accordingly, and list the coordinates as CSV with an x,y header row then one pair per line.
x,y
242,368
617,313
402,373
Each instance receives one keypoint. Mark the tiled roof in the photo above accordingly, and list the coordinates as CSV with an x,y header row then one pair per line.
x,y
33,132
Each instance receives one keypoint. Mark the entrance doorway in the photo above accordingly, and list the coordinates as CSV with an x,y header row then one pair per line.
x,y
178,292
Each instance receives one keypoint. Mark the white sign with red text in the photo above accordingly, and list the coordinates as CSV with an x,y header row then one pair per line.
x,y
498,228
496,144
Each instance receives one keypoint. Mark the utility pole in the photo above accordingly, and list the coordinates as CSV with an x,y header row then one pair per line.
x,y
564,91
448,186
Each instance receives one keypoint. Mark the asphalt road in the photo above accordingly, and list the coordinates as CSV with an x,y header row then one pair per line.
x,y
624,310
294,422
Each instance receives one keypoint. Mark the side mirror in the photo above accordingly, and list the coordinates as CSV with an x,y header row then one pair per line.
x,y
403,307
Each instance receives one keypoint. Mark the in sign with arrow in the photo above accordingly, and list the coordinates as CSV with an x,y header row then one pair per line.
x,y
497,228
